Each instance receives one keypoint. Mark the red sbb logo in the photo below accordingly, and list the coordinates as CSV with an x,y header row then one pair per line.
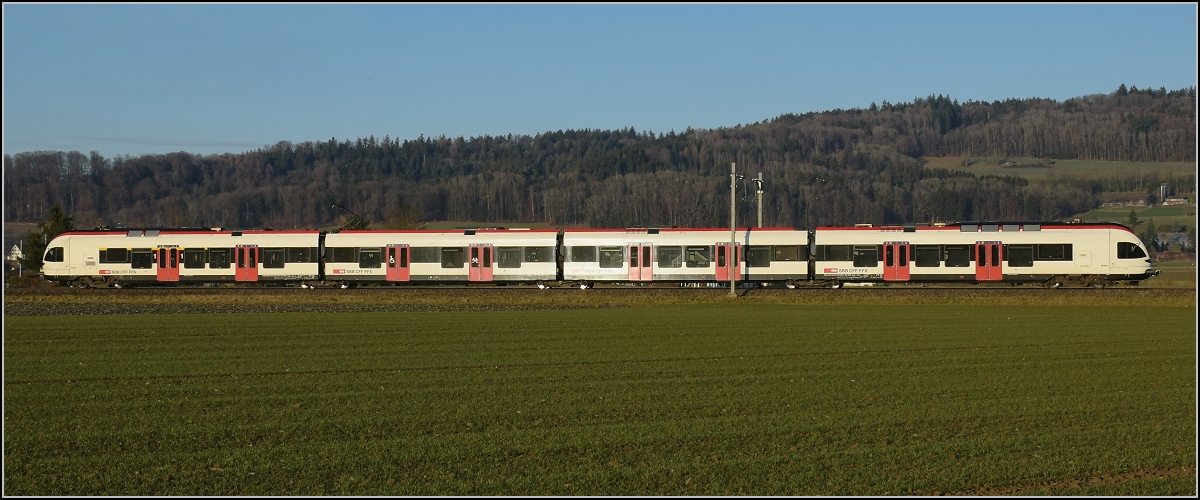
x,y
829,270
105,271
339,271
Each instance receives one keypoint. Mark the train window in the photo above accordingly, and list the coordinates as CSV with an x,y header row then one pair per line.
x,y
508,256
758,256
1127,250
837,253
787,253
425,255
142,258
193,258
343,254
611,257
866,256
218,258
699,256
539,254
53,255
1020,255
583,254
301,254
927,255
670,256
1054,252
958,255
452,257
272,258
114,256
370,258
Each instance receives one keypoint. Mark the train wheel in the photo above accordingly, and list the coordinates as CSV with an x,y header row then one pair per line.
x,y
83,283
1055,282
541,286
584,285
790,285
835,285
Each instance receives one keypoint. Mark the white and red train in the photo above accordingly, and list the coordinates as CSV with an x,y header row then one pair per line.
x,y
1049,253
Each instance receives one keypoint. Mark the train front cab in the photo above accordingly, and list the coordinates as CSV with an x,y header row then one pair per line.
x,y
56,261
1129,261
1053,254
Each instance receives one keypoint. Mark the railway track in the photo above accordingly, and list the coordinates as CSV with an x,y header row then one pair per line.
x,y
61,301
599,290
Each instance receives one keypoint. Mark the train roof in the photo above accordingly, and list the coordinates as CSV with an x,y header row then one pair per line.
x,y
155,231
660,230
465,231
973,226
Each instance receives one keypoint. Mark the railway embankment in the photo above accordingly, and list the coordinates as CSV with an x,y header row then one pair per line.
x,y
66,301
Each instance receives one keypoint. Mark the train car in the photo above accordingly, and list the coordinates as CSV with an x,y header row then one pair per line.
x,y
106,257
1049,253
642,255
501,256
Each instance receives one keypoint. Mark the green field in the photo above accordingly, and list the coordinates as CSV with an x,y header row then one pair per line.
x,y
694,396
1081,169
1166,219
1178,273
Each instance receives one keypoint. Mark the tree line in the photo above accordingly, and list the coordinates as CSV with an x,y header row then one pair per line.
x,y
828,168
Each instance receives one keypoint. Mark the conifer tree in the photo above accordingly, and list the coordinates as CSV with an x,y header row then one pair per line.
x,y
36,241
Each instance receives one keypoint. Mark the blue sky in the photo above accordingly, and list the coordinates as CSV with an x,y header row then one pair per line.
x,y
207,79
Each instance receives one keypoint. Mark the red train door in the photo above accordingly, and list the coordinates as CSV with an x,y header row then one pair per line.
x,y
640,268
988,266
481,263
246,260
168,264
896,260
397,263
727,261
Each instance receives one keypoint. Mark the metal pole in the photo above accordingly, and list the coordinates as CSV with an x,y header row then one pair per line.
x,y
732,229
758,196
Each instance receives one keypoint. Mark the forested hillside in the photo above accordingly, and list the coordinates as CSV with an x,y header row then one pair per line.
x,y
834,167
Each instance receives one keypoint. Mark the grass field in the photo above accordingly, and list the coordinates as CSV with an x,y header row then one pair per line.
x,y
1084,169
1180,273
697,395
1166,219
